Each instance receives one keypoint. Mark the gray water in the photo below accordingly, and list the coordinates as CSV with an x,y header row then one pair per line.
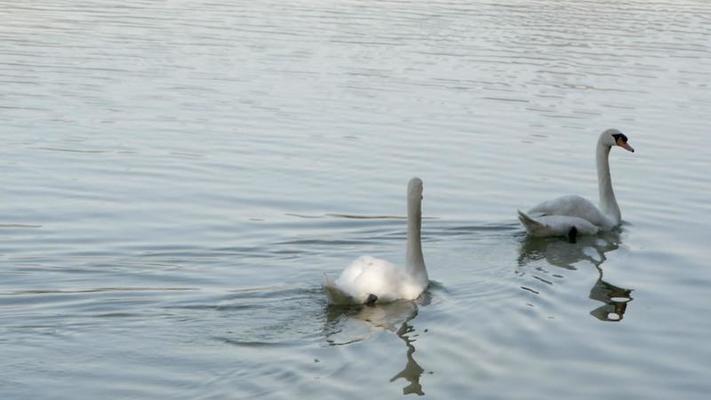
x,y
177,176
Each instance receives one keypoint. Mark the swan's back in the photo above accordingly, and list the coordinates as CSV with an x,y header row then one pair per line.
x,y
555,225
368,275
572,206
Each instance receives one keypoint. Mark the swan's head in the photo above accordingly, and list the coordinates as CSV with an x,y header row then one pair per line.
x,y
613,137
414,189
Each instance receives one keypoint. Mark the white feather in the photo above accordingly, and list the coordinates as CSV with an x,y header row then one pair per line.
x,y
368,275
371,276
556,217
556,225
573,206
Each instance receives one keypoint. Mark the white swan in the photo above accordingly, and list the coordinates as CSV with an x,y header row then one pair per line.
x,y
572,215
369,279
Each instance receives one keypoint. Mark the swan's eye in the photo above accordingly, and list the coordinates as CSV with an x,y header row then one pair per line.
x,y
621,140
620,137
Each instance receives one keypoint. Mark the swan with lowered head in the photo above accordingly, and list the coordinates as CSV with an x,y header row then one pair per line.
x,y
572,215
368,280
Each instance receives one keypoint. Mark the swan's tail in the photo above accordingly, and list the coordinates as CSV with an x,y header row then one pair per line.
x,y
334,294
532,226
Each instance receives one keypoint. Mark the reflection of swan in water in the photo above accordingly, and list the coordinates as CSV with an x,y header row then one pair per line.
x,y
412,370
349,325
614,297
589,248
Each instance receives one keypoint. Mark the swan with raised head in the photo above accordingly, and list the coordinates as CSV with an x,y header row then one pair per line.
x,y
573,215
369,280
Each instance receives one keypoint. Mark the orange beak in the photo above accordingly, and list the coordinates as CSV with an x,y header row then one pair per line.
x,y
626,146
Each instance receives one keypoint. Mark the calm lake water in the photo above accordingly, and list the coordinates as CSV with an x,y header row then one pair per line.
x,y
177,176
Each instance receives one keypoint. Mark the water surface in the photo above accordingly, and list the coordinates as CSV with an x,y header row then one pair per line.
x,y
176,177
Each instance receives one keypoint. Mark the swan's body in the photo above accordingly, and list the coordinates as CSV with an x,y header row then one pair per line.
x,y
556,225
558,216
369,279
574,206
372,276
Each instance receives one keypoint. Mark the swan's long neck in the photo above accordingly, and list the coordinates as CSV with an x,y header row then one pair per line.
x,y
415,261
608,203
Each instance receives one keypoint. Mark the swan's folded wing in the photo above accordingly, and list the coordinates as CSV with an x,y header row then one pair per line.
x,y
556,225
532,226
571,206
